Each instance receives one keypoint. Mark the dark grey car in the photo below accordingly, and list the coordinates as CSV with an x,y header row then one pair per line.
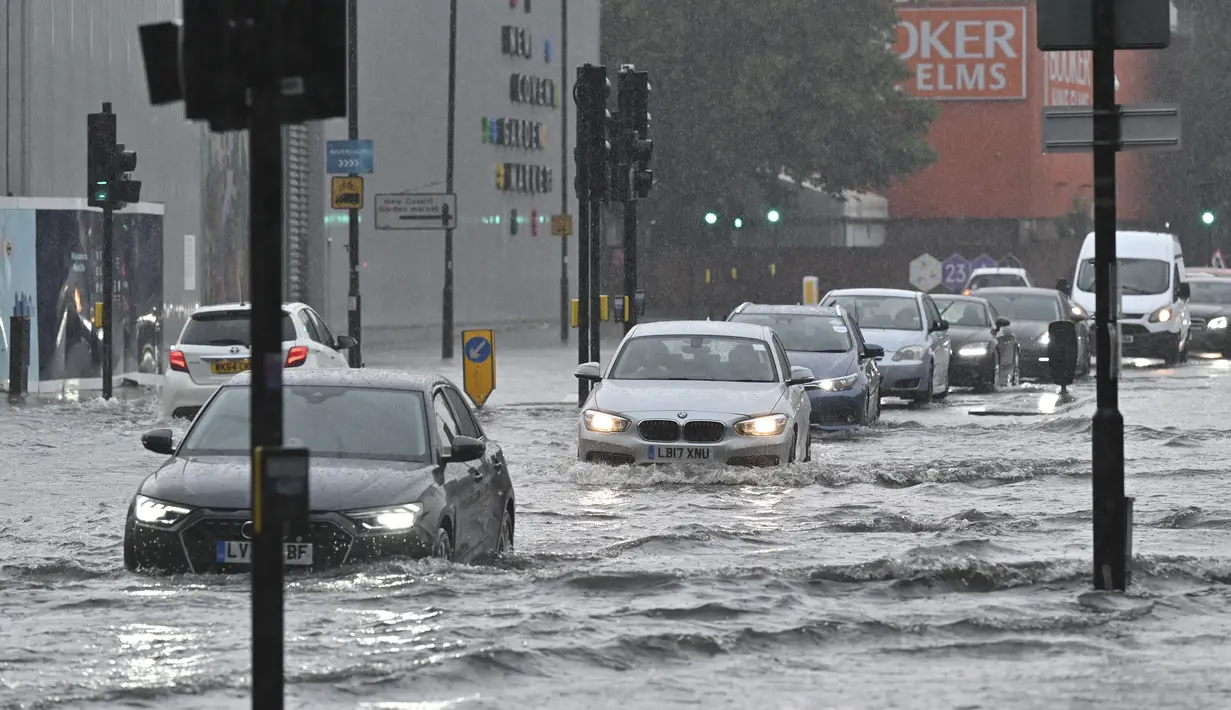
x,y
399,468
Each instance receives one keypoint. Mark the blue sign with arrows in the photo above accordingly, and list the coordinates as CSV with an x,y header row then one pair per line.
x,y
349,157
478,349
479,366
983,261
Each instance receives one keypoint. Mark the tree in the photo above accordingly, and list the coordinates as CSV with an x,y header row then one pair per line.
x,y
741,88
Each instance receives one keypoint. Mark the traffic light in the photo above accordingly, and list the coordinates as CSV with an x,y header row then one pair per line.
x,y
773,216
100,145
1207,217
591,93
738,223
124,190
711,217
637,149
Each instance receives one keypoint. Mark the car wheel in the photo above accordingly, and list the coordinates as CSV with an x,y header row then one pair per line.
x,y
505,545
929,395
130,553
443,547
808,450
790,454
1173,356
1015,377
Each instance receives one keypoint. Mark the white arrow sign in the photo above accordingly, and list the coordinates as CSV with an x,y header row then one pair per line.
x,y
416,211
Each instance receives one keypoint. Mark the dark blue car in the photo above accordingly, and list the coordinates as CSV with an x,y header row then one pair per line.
x,y
827,341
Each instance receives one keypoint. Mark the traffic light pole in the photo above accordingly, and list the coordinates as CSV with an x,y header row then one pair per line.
x,y
354,324
630,249
596,270
265,218
564,300
446,311
1111,517
108,286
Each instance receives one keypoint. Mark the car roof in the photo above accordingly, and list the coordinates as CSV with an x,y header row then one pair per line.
x,y
1020,291
719,328
899,292
789,309
242,306
361,378
1015,270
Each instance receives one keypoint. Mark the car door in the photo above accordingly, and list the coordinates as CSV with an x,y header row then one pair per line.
x,y
463,485
871,373
493,483
801,406
938,343
319,356
1005,344
329,341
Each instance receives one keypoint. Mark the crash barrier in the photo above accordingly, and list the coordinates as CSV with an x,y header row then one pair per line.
x,y
19,346
1062,352
812,290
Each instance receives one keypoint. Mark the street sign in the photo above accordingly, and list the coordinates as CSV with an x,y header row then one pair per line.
x,y
1069,24
562,225
982,261
1008,261
954,272
479,367
416,211
346,157
925,272
346,192
1146,127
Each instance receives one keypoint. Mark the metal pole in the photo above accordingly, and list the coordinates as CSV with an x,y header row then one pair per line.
x,y
354,320
564,304
583,290
1110,523
446,315
108,287
630,245
596,270
265,217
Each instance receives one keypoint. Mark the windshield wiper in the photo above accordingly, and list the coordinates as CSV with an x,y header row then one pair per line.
x,y
829,351
226,341
1135,289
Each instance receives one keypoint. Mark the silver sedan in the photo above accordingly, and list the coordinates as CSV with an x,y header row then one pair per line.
x,y
696,392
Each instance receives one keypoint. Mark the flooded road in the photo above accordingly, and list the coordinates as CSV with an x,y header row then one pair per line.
x,y
937,560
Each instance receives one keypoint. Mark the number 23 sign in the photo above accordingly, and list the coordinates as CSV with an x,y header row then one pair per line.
x,y
954,272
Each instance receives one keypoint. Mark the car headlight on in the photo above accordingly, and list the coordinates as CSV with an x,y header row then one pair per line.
x,y
973,350
157,513
836,384
1044,339
1162,315
770,425
1219,323
393,519
603,422
910,352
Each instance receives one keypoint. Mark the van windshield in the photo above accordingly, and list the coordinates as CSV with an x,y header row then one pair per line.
x,y
1138,277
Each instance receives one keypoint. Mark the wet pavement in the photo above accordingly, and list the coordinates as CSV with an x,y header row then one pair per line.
x,y
938,560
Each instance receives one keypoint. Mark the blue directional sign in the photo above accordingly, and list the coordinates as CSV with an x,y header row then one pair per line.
x,y
954,272
348,157
478,349
479,367
983,261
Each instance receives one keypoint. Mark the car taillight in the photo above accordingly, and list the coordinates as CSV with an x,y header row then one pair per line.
x,y
297,356
178,363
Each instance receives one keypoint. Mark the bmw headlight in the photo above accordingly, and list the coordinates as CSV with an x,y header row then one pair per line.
x,y
771,425
1219,323
1162,315
836,384
158,514
393,519
603,422
1044,339
974,350
910,352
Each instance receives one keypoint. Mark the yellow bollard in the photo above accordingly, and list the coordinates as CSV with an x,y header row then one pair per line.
x,y
98,314
602,308
574,306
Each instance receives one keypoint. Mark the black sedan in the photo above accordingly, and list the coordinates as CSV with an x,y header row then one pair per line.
x,y
399,468
1209,300
986,355
1031,311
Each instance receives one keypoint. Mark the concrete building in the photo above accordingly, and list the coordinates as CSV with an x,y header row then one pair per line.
x,y
60,60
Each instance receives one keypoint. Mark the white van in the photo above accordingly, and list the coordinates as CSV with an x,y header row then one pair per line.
x,y
1154,287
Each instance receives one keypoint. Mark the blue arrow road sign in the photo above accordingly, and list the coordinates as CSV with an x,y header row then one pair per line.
x,y
983,261
347,157
478,349
954,271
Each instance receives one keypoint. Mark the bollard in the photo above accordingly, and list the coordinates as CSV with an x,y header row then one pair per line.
x,y
19,347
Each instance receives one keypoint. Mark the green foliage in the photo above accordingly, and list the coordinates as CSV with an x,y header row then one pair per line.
x,y
741,86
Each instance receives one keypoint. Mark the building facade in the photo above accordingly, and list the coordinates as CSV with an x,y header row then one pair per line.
x,y
514,129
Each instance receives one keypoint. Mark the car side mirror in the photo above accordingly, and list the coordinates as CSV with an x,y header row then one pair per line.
x,y
1062,285
346,342
465,448
940,325
873,352
589,371
801,376
1002,322
159,441
1185,291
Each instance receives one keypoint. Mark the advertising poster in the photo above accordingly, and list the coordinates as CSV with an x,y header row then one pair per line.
x,y
17,277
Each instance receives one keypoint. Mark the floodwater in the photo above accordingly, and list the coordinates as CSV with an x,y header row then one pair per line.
x,y
938,560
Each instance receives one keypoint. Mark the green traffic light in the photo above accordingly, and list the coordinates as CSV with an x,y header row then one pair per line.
x,y
710,218
739,223
1207,217
773,216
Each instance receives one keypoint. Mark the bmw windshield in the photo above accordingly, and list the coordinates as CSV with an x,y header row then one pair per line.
x,y
694,357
